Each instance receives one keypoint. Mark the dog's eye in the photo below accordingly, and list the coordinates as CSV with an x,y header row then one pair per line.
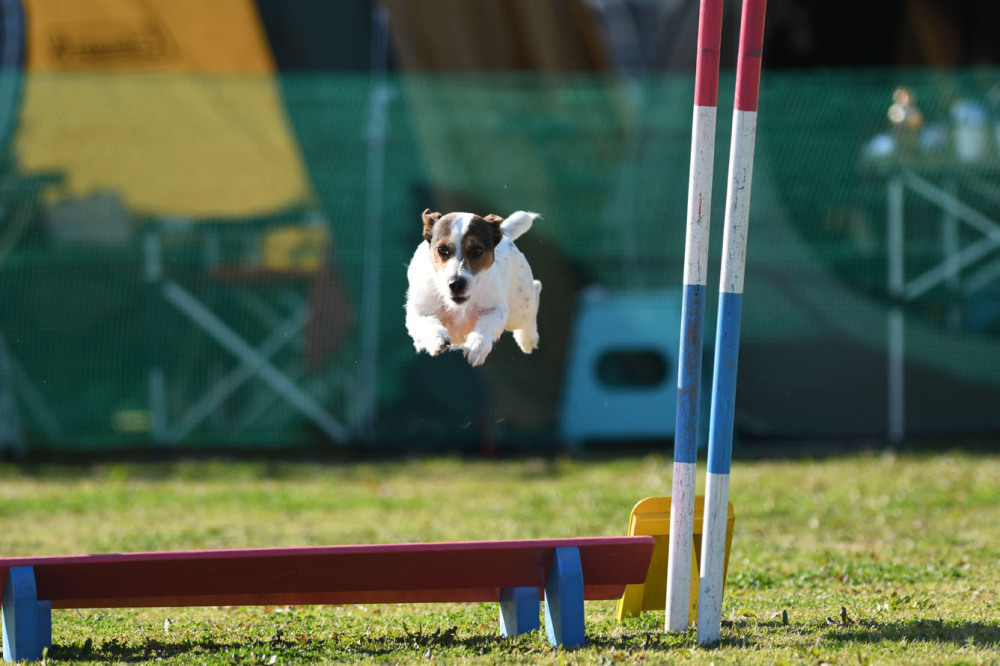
x,y
476,252
444,251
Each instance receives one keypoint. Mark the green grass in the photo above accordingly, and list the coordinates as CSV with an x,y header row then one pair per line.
x,y
853,560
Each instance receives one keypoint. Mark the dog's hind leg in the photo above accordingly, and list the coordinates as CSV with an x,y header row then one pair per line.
x,y
526,337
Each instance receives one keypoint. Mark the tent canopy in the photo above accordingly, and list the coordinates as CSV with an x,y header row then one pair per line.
x,y
169,105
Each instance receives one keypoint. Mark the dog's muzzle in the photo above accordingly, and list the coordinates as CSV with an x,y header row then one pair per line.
x,y
457,287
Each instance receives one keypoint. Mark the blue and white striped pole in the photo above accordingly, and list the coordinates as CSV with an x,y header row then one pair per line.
x,y
734,243
680,555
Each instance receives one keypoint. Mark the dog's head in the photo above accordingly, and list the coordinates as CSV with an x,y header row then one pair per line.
x,y
461,250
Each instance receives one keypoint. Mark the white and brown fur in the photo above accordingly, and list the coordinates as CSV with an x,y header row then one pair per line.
x,y
468,283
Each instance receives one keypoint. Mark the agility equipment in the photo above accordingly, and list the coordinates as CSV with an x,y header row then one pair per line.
x,y
734,244
651,517
516,573
699,208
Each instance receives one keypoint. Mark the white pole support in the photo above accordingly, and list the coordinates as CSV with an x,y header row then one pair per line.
x,y
734,243
680,553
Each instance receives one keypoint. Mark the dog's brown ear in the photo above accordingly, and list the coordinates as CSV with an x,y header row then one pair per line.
x,y
429,220
495,221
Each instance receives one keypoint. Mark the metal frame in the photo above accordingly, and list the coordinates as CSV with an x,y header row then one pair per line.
x,y
954,260
255,361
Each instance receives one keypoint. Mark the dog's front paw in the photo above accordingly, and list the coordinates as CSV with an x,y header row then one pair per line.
x,y
476,349
433,342
437,349
439,344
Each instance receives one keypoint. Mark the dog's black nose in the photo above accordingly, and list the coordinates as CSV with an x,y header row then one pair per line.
x,y
457,285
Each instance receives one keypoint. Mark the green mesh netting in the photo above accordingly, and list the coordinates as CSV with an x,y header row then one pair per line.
x,y
111,317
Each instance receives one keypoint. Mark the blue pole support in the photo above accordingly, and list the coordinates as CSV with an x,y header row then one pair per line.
x,y
27,622
564,599
519,610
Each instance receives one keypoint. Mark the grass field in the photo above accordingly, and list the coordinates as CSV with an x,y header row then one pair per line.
x,y
862,559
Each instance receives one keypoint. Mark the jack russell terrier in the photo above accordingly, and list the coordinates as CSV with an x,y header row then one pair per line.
x,y
468,283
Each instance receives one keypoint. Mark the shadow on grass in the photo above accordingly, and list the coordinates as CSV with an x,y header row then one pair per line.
x,y
411,645
981,634
449,643
438,644
138,651
740,633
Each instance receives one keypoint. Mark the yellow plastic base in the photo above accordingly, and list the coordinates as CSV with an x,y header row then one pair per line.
x,y
652,516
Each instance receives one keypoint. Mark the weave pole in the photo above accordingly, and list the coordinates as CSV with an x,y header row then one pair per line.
x,y
680,556
727,340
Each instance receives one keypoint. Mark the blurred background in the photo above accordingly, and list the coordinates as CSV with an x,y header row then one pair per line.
x,y
207,209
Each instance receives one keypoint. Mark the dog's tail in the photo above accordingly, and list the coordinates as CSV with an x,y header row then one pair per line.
x,y
518,223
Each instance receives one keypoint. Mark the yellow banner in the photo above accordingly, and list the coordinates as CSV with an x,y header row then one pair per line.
x,y
168,106
223,36
165,144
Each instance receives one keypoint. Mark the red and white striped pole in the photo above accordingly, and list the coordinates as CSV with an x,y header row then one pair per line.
x,y
680,555
734,242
